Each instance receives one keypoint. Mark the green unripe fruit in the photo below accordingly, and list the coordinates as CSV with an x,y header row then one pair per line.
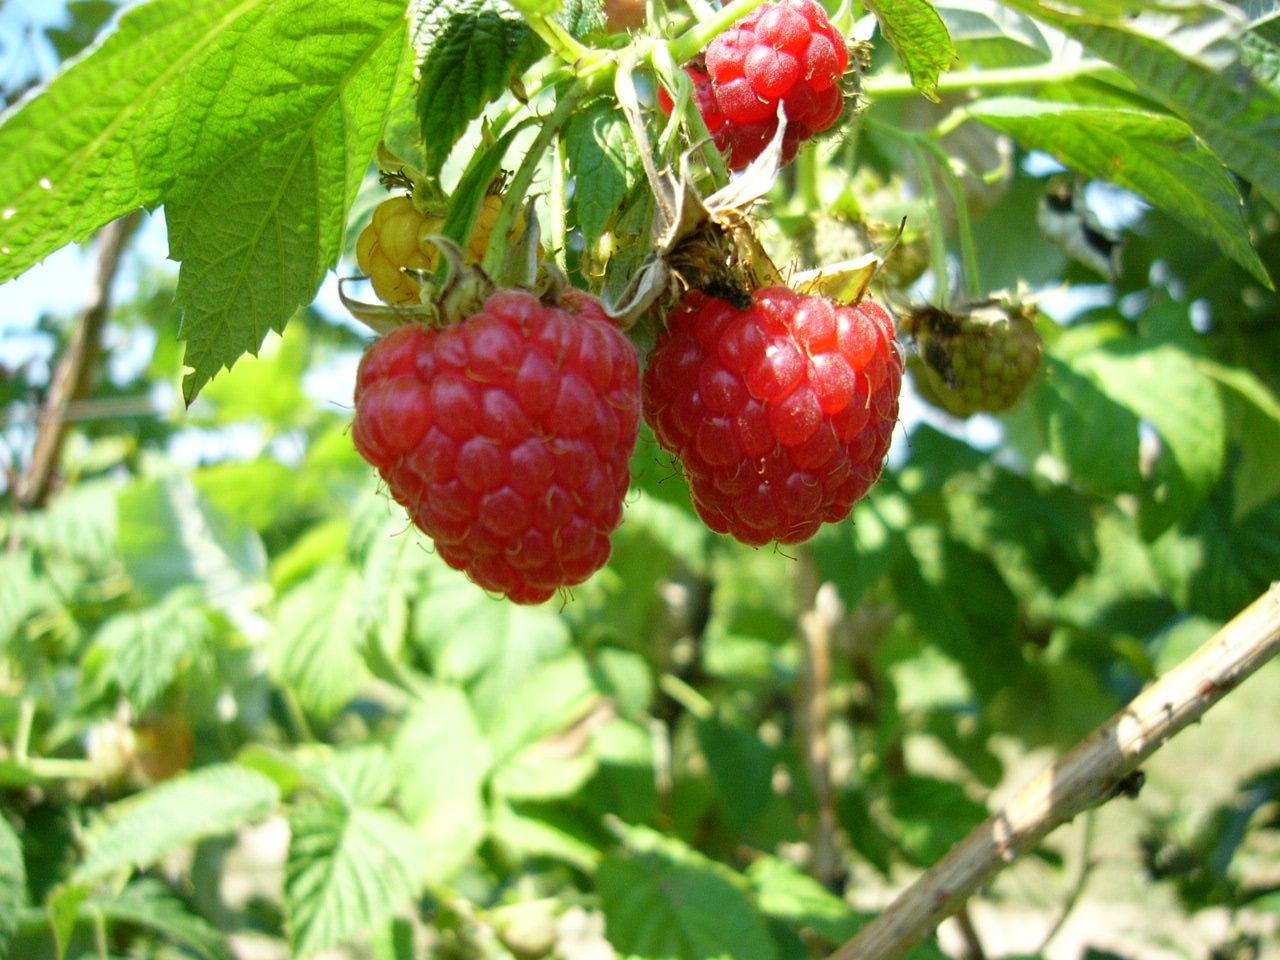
x,y
978,359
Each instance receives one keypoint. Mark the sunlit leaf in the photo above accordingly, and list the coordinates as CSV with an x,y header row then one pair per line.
x,y
315,649
13,884
442,760
346,871
211,801
663,899
920,38
1154,155
467,51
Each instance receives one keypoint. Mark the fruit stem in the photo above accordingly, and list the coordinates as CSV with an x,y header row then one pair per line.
x,y
694,40
517,190
22,736
964,229
806,166
695,703
887,85
684,111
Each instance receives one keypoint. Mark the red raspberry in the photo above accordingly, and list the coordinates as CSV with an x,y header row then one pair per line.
x,y
786,51
781,414
507,437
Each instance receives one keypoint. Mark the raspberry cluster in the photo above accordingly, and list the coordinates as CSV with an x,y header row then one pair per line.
x,y
780,414
507,437
785,52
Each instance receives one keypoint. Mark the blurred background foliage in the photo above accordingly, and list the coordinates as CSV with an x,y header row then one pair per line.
x,y
246,712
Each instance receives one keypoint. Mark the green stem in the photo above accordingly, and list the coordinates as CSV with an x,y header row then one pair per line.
x,y
964,229
887,85
701,9
809,194
100,935
694,40
556,38
689,698
495,257
685,112
297,717
22,736
56,768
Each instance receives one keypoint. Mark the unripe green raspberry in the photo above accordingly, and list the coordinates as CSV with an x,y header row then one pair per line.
x,y
978,359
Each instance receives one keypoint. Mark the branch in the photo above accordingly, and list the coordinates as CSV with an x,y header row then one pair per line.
x,y
1086,777
71,379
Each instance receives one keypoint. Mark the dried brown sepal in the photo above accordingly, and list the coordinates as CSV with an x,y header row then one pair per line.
x,y
701,243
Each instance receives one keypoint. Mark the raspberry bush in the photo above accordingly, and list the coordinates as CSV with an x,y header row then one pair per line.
x,y
502,529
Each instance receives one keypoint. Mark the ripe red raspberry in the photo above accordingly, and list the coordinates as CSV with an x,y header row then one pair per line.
x,y
786,51
507,437
781,414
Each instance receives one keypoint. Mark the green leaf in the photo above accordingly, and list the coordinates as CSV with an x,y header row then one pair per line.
x,y
921,40
785,892
486,644
73,158
1236,119
602,159
1156,156
79,524
278,123
347,870
152,905
251,121
856,556
63,909
442,760
538,751
1257,431
170,536
1164,386
1215,566
355,776
741,766
931,816
138,831
467,50
626,783
13,884
24,592
315,649
526,830
1040,536
959,601
1056,705
990,35
1094,437
142,652
662,899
